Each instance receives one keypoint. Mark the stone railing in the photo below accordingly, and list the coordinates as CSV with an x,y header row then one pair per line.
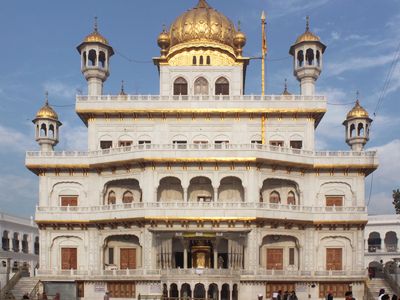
x,y
202,148
204,205
83,98
199,272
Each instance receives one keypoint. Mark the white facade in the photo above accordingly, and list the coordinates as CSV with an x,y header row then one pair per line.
x,y
381,240
19,246
201,191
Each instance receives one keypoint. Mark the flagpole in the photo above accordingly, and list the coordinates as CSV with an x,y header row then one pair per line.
x,y
264,52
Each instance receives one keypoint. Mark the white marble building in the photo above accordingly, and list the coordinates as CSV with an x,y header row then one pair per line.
x,y
19,246
202,191
381,240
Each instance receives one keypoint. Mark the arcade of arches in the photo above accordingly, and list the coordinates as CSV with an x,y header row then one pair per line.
x,y
200,291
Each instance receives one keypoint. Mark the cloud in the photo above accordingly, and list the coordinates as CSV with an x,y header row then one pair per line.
x,y
358,63
287,7
13,140
74,137
60,89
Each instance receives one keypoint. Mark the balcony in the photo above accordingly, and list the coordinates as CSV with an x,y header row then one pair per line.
x,y
138,103
243,275
245,152
206,210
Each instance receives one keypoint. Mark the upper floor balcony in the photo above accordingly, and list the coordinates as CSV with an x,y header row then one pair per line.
x,y
206,152
199,210
208,103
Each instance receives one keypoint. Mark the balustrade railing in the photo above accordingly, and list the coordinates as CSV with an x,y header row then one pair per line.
x,y
86,98
202,147
203,205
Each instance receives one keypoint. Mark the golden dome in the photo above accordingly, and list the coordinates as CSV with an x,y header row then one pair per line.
x,y
47,112
202,23
240,39
357,112
308,36
163,40
96,37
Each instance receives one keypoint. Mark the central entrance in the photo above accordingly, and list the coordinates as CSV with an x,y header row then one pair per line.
x,y
200,251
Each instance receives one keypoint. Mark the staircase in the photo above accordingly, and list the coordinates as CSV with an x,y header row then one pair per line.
x,y
376,284
24,285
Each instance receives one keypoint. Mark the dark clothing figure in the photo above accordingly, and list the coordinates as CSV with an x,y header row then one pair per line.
x,y
25,296
279,297
44,296
394,297
329,296
385,297
293,296
348,295
286,295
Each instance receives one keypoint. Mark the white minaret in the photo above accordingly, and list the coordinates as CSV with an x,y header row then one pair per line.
x,y
307,53
47,127
95,60
357,126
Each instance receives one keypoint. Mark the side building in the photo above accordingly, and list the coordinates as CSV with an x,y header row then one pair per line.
x,y
19,246
202,191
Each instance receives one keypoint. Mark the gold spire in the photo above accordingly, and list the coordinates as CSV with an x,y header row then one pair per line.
x,y
308,36
202,4
264,51
122,92
285,91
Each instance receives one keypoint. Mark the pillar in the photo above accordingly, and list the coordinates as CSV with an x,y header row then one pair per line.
x,y
215,194
185,254
185,195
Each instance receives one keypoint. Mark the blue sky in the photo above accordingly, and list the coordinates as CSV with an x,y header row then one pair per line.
x,y
38,53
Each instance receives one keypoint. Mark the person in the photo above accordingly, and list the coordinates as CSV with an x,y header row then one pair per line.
x,y
348,295
57,297
25,296
107,296
44,296
385,297
381,293
279,297
329,296
274,295
293,296
394,297
220,262
286,295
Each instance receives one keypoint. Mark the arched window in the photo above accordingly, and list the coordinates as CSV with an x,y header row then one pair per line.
x,y
222,86
36,245
25,247
310,57
43,130
318,56
201,60
352,129
180,86
16,242
201,86
102,59
300,58
291,199
208,60
194,60
5,241
127,197
111,199
51,131
84,59
274,197
360,129
92,58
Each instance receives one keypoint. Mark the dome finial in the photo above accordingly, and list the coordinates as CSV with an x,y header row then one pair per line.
x,y
285,91
122,92
202,4
46,98
239,23
96,25
308,23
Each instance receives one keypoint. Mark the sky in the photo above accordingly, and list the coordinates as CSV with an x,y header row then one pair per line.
x,y
38,54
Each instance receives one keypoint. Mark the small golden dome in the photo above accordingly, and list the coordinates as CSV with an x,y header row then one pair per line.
x,y
286,91
95,36
308,36
239,39
47,112
357,112
202,23
164,40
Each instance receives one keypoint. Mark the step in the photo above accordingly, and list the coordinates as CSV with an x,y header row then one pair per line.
x,y
24,285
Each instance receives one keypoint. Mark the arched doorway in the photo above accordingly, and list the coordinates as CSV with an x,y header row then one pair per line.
x,y
199,291
225,292
375,269
374,242
235,292
212,293
186,291
173,291
391,241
